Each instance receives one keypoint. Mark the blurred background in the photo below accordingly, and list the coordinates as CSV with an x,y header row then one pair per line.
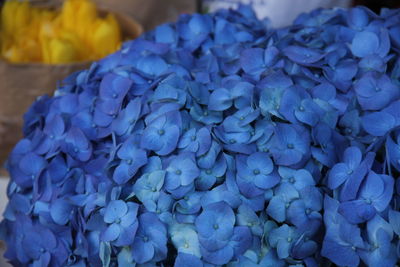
x,y
42,41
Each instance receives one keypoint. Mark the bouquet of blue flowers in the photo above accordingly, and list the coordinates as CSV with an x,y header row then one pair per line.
x,y
217,141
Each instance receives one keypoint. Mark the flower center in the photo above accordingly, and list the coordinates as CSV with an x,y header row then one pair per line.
x,y
292,180
178,172
186,245
193,137
256,171
290,146
349,171
129,161
208,172
161,132
145,239
216,226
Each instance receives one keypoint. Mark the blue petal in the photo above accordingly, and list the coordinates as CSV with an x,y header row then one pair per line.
x,y
220,100
357,211
115,210
378,123
142,251
339,254
251,60
364,43
219,257
111,233
60,211
302,55
184,259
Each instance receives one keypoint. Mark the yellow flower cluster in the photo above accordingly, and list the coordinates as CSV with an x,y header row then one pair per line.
x,y
75,33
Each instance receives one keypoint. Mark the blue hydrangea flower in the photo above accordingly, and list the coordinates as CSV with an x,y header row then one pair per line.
x,y
218,237
121,221
217,140
181,172
132,158
342,241
150,243
161,136
254,174
374,195
381,251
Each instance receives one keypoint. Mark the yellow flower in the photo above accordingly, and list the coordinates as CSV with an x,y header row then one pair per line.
x,y
74,33
61,51
106,36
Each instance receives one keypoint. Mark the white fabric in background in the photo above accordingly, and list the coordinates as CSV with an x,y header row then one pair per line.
x,y
3,196
280,12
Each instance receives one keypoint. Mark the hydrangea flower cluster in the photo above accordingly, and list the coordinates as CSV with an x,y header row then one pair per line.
x,y
216,141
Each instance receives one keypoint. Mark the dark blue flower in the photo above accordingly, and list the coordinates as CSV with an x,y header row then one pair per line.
x,y
367,43
284,194
184,259
77,145
151,239
161,136
342,240
196,141
28,169
132,158
296,105
374,196
381,251
304,212
128,117
254,174
218,237
302,55
282,239
209,176
375,91
121,221
181,172
290,144
341,172
272,88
